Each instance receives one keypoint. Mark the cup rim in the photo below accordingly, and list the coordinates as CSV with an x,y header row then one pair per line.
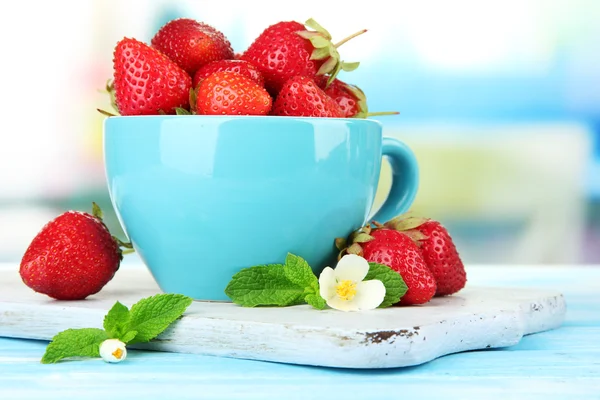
x,y
257,117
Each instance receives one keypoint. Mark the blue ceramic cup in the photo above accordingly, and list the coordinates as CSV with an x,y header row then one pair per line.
x,y
202,197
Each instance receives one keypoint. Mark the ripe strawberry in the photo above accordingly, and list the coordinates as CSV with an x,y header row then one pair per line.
x,y
146,82
72,257
350,98
300,96
238,66
228,93
286,49
439,252
399,252
191,44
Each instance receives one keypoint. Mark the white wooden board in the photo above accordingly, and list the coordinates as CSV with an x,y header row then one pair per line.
x,y
476,318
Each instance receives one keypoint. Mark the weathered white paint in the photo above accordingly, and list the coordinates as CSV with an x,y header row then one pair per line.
x,y
479,317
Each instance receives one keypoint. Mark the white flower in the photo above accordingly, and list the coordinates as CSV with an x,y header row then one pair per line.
x,y
113,351
343,287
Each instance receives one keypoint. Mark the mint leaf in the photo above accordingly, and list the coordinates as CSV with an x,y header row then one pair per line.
x,y
74,343
116,321
128,337
264,285
149,317
316,301
298,271
395,287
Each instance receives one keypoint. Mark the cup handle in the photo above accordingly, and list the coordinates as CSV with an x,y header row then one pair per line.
x,y
405,179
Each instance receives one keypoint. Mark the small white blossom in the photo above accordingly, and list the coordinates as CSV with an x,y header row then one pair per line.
x,y
113,351
343,288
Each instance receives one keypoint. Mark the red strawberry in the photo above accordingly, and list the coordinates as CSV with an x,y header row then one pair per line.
x,y
146,82
350,98
238,66
399,252
286,49
438,250
191,44
300,96
228,93
72,257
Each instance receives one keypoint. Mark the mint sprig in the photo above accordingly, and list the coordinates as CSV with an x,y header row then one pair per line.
x,y
280,285
74,343
147,319
264,285
294,283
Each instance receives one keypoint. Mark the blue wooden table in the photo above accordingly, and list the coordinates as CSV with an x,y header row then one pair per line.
x,y
559,364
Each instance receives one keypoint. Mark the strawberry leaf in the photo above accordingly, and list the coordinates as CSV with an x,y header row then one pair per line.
x,y
182,111
319,54
328,66
350,66
340,243
311,23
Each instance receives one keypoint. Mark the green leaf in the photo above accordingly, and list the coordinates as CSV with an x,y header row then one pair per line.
x,y
350,66
316,301
74,343
395,287
128,337
298,271
328,66
308,34
182,111
311,23
264,285
97,211
319,54
149,317
319,42
116,320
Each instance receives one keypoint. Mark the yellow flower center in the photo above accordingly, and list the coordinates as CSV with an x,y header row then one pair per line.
x,y
118,353
346,290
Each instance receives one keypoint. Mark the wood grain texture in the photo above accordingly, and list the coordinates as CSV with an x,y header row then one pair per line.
x,y
476,318
557,364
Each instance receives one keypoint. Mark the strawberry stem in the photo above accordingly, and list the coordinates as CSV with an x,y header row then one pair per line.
x,y
375,114
341,42
127,251
121,243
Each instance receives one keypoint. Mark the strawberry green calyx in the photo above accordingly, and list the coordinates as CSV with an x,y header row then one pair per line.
x,y
406,224
106,113
110,89
363,109
326,50
99,215
352,245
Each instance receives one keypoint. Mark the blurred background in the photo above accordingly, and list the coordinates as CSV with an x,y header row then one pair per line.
x,y
500,101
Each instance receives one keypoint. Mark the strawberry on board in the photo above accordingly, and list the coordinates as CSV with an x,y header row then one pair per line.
x,y
399,252
438,249
72,257
229,93
191,44
238,66
146,82
287,49
300,96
